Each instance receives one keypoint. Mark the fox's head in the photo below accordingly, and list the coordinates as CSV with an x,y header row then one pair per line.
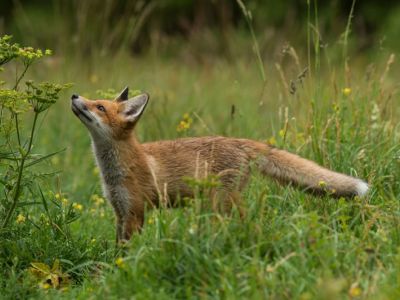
x,y
107,119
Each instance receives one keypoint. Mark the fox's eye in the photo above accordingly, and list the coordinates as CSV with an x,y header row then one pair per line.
x,y
101,108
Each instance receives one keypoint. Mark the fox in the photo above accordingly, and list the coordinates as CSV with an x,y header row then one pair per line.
x,y
137,175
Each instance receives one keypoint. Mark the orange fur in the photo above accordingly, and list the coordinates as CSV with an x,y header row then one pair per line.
x,y
135,175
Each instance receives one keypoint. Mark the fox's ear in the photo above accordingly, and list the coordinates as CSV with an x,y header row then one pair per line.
x,y
134,107
123,96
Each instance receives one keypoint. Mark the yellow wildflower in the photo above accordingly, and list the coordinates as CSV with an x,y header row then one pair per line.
x,y
271,141
346,91
120,262
57,196
354,291
20,219
185,123
30,53
77,206
322,183
97,199
64,201
45,285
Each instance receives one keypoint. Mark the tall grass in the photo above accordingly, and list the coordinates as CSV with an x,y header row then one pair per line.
x,y
290,245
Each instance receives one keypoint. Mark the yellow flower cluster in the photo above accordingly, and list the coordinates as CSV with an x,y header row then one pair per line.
x,y
100,212
185,123
120,262
271,141
354,291
322,183
31,54
98,208
77,206
16,101
20,219
44,285
59,197
346,91
98,201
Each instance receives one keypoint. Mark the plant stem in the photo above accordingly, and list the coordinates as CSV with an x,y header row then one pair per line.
x,y
17,81
317,43
17,128
309,38
258,54
20,172
21,76
347,31
247,16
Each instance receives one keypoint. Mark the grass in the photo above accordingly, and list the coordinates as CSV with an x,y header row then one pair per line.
x,y
291,245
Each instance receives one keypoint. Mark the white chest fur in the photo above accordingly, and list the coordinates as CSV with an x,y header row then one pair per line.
x,y
112,173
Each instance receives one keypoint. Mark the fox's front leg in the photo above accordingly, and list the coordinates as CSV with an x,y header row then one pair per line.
x,y
133,221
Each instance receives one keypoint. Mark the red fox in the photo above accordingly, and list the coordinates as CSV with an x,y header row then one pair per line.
x,y
135,175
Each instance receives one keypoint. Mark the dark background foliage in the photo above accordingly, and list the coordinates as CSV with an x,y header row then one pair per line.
x,y
93,25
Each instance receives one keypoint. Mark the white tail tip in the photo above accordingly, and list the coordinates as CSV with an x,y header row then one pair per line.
x,y
362,188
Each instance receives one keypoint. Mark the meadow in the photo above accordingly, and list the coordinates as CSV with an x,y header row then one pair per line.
x,y
341,112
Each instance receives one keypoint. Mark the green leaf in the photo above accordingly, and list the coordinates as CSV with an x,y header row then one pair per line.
x,y
41,267
32,163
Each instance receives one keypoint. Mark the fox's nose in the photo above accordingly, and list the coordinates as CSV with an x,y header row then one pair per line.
x,y
74,96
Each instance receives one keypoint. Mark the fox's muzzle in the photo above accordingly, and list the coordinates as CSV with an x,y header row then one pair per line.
x,y
79,108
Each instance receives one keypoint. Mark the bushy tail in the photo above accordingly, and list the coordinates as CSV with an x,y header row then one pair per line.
x,y
288,167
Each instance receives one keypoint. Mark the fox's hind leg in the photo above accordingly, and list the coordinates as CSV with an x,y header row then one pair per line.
x,y
224,201
229,194
231,200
